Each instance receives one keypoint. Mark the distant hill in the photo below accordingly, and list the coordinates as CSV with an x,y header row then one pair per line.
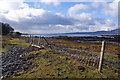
x,y
114,32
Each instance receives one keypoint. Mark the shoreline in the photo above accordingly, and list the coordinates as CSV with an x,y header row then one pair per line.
x,y
114,40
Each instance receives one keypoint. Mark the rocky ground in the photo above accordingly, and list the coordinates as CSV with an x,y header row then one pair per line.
x,y
67,59
14,60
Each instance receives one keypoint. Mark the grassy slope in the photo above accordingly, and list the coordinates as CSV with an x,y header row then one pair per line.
x,y
8,41
48,62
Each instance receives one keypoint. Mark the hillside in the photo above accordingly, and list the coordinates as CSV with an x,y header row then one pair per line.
x,y
115,32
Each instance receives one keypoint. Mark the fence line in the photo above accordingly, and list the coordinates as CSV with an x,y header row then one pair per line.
x,y
93,60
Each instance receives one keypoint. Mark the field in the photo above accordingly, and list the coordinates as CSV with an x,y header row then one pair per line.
x,y
65,59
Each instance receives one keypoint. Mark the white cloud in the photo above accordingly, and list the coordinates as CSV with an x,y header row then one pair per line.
x,y
32,20
89,21
48,2
7,6
59,14
25,19
110,9
83,17
26,13
78,7
119,14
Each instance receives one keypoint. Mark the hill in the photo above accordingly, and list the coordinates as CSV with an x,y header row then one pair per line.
x,y
115,32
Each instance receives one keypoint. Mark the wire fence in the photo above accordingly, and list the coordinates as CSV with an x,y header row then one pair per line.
x,y
84,58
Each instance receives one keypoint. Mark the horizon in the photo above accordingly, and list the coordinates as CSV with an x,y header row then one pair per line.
x,y
60,17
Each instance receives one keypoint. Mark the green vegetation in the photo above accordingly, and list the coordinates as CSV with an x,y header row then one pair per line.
x,y
19,42
51,64
8,41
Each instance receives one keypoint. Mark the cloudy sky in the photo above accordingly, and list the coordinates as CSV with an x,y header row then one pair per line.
x,y
53,16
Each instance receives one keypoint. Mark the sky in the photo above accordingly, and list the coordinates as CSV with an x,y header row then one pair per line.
x,y
53,16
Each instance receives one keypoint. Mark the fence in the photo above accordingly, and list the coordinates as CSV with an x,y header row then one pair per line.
x,y
84,58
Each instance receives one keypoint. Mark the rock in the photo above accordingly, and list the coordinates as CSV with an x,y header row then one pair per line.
x,y
30,57
6,76
15,60
52,75
66,58
66,77
25,68
64,71
80,68
58,74
47,74
29,63
17,74
58,68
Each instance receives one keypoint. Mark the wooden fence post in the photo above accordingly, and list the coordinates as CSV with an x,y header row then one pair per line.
x,y
47,43
101,56
25,38
30,39
33,40
39,41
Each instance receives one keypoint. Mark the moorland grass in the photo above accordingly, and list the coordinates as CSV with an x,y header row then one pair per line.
x,y
50,64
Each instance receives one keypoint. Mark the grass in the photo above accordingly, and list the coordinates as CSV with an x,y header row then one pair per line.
x,y
8,41
47,67
19,42
93,46
48,62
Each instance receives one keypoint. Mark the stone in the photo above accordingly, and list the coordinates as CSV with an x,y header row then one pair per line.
x,y
58,68
64,71
66,77
58,74
29,63
80,68
17,74
52,75
66,58
47,74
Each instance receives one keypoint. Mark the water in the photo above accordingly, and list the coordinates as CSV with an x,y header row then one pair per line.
x,y
79,35
72,35
97,41
76,35
69,35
